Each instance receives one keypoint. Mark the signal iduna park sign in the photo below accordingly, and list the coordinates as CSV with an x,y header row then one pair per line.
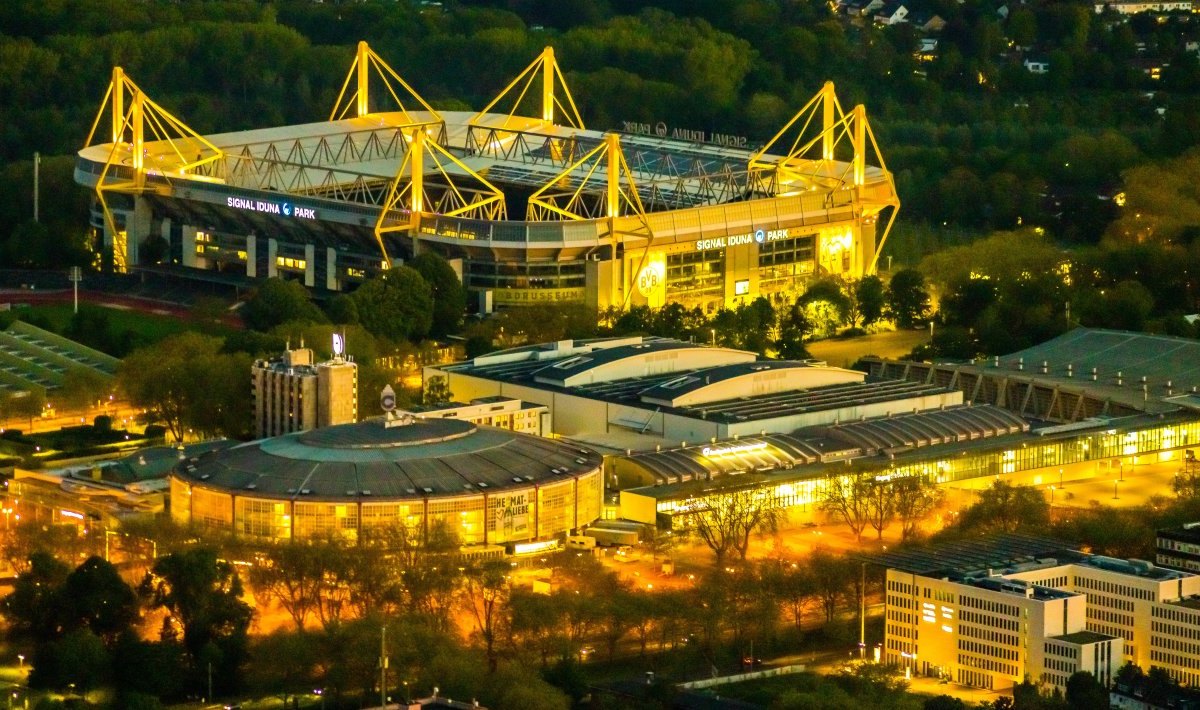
x,y
758,236
281,209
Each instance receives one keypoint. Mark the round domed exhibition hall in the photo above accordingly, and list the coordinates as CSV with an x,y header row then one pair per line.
x,y
488,485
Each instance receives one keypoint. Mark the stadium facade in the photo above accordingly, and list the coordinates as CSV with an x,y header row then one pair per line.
x,y
530,205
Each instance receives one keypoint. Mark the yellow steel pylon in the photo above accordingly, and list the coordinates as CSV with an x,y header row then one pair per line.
x,y
409,193
173,149
366,59
802,167
552,108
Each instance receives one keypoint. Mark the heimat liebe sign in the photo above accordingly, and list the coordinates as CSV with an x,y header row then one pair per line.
x,y
662,130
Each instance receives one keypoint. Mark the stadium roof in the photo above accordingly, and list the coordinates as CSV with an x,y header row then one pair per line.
x,y
632,371
427,458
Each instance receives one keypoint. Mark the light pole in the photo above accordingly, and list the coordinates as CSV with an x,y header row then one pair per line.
x,y
1115,495
383,665
713,332
1052,489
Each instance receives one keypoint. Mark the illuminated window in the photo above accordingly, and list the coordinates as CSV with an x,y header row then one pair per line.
x,y
290,263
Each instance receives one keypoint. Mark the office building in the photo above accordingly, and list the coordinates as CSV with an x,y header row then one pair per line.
x,y
293,393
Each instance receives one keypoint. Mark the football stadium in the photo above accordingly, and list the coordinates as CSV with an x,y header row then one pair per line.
x,y
527,203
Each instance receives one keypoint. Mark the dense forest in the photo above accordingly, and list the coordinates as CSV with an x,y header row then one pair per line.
x,y
976,140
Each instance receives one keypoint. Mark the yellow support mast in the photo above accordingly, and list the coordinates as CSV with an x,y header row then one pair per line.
x,y
142,130
810,162
409,191
552,107
365,59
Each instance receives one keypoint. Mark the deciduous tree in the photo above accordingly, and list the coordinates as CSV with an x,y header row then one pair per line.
x,y
847,496
397,304
726,517
915,497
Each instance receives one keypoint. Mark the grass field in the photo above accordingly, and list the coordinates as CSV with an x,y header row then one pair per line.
x,y
146,325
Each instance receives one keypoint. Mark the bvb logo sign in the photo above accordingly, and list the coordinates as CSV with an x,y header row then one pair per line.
x,y
649,279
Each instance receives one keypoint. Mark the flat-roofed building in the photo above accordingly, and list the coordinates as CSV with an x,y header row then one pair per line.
x,y
501,412
1179,548
1124,610
655,390
991,632
293,393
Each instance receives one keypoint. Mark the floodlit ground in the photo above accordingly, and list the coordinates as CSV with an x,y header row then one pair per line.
x,y
892,344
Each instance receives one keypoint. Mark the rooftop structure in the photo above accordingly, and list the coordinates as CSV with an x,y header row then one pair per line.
x,y
1084,374
36,360
502,412
533,205
664,390
1179,548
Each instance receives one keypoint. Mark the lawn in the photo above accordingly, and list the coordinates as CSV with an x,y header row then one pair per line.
x,y
147,326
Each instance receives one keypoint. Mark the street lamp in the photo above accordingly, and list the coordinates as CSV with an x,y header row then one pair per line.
x,y
1052,489
1116,496
20,660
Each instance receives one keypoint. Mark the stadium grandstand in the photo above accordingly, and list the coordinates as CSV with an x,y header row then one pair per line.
x,y
528,204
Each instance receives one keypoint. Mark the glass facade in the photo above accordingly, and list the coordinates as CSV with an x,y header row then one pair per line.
x,y
1028,455
785,265
514,274
697,277
516,515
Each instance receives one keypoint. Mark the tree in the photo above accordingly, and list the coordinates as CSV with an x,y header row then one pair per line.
x,y
847,497
437,391
485,596
1084,692
449,296
881,507
83,387
397,304
342,310
204,598
915,498
184,382
794,330
96,598
1007,508
907,299
834,579
727,516
944,702
795,586
277,301
78,659
825,305
870,297
34,608
292,574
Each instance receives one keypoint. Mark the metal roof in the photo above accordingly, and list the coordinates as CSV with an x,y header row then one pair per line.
x,y
428,458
